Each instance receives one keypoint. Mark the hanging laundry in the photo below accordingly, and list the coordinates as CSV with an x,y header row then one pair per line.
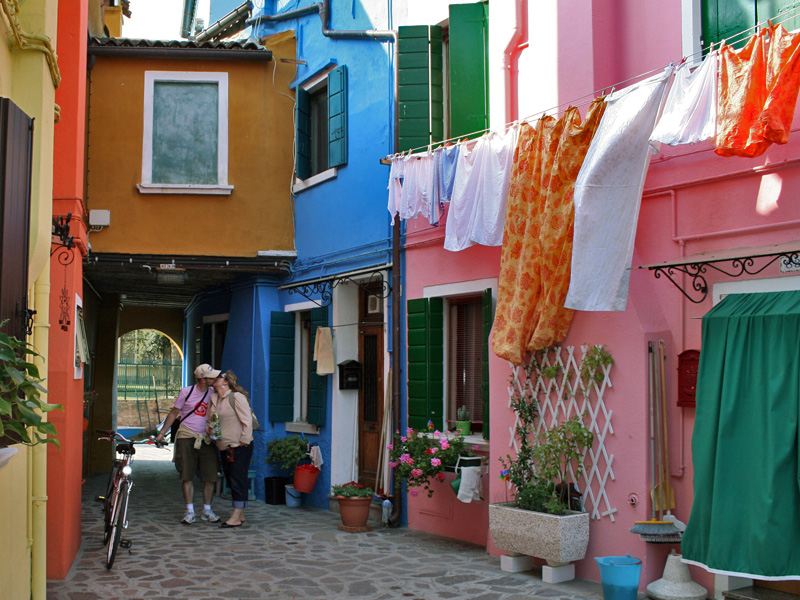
x,y
783,83
395,186
535,261
323,351
417,185
489,215
742,95
478,205
758,88
444,173
608,194
690,111
462,203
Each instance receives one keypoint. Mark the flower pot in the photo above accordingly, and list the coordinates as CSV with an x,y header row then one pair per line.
x,y
558,539
275,490
354,511
305,476
463,427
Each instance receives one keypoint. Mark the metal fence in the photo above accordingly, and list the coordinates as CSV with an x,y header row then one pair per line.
x,y
145,381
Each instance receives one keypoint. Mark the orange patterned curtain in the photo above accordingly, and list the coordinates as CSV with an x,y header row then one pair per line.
x,y
758,88
537,242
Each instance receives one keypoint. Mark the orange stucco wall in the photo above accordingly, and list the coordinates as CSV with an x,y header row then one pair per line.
x,y
64,465
256,216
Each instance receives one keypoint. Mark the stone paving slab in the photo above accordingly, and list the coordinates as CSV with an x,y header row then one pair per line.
x,y
280,552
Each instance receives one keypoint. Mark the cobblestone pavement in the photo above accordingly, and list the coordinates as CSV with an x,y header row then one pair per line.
x,y
280,552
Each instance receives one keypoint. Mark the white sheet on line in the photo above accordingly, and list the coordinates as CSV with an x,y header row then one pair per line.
x,y
608,194
690,110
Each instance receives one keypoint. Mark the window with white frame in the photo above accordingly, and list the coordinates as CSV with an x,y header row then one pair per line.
x,y
185,133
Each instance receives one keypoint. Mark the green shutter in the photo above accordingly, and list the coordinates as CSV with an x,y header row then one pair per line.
x,y
316,383
337,117
486,306
281,366
425,362
723,19
420,95
303,124
468,68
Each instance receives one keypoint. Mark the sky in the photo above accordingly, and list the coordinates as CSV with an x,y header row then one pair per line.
x,y
159,19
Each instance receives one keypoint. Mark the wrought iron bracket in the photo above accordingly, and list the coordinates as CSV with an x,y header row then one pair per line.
x,y
375,285
735,267
60,233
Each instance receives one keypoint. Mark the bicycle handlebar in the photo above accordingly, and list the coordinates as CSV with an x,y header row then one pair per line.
x,y
110,434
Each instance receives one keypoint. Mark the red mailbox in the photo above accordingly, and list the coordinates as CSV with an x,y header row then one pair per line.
x,y
688,366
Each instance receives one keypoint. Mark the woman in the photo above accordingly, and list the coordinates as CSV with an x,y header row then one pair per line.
x,y
235,436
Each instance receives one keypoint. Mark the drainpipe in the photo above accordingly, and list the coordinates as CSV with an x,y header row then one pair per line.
x,y
517,43
38,477
323,9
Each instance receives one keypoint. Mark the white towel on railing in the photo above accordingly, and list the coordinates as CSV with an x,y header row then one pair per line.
x,y
470,488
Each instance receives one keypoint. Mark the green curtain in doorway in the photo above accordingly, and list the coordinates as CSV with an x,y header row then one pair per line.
x,y
746,512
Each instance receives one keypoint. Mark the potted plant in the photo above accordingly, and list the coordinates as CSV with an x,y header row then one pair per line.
x,y
545,519
286,453
354,504
419,458
463,420
21,404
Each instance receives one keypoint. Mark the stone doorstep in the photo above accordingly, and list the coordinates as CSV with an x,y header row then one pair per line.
x,y
375,509
757,593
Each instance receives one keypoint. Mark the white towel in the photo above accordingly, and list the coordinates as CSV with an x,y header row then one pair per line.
x,y
316,456
323,351
470,488
608,193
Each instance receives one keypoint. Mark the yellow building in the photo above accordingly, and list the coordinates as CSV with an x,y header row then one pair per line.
x,y
29,75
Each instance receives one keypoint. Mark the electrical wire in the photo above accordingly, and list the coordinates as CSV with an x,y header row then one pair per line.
x,y
780,19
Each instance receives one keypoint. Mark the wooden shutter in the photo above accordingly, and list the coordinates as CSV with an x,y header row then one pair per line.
x,y
316,383
468,68
16,145
420,95
303,124
488,319
723,19
337,117
281,366
425,362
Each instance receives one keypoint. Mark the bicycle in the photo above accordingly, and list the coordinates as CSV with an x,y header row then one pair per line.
x,y
115,500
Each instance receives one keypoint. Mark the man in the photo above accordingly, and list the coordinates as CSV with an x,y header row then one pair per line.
x,y
194,451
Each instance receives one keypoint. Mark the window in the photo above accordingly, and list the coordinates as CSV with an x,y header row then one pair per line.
x,y
215,328
443,77
444,376
185,140
296,393
321,116
465,350
723,19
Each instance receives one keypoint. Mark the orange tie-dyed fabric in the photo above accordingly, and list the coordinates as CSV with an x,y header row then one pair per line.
x,y
537,242
758,88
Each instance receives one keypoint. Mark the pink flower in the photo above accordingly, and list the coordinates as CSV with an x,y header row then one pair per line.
x,y
390,446
445,444
416,473
440,476
476,447
414,493
405,458
432,450
393,464
437,433
436,462
403,439
409,432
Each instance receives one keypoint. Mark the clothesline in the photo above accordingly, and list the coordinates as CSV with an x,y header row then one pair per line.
x,y
794,12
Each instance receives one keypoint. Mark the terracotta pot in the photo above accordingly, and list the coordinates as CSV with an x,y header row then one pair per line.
x,y
354,511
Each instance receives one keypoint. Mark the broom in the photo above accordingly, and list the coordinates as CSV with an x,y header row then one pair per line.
x,y
653,527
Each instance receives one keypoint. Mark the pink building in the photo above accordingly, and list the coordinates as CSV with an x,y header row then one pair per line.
x,y
543,55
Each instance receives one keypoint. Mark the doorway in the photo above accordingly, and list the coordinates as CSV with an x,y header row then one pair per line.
x,y
370,396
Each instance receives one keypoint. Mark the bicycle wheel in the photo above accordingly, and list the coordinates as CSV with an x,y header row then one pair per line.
x,y
117,522
109,500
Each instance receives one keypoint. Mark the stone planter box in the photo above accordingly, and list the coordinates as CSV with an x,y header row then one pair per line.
x,y
558,539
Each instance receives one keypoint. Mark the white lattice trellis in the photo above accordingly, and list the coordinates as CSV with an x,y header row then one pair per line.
x,y
561,397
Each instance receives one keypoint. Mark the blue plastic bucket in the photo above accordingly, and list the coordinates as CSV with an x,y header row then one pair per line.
x,y
620,576
293,497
